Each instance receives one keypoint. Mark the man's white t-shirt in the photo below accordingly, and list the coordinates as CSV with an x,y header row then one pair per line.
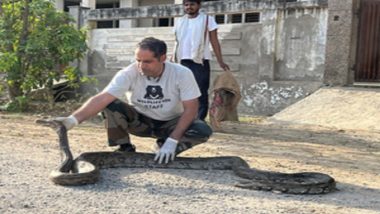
x,y
158,99
186,42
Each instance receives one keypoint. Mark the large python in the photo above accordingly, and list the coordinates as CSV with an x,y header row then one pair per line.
x,y
85,168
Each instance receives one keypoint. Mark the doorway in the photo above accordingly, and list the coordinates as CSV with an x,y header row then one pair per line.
x,y
368,50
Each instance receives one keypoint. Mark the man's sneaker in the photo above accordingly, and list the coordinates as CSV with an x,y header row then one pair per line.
x,y
126,148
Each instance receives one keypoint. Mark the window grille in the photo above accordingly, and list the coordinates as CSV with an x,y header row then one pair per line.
x,y
164,22
107,24
219,18
252,17
236,18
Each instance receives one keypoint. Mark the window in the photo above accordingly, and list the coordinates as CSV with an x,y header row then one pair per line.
x,y
252,17
219,18
163,22
236,18
108,5
107,24
66,5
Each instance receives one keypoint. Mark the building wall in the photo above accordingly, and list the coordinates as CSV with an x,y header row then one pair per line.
x,y
289,63
301,42
277,61
290,54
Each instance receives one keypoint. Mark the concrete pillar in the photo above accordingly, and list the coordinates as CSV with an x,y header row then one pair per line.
x,y
177,2
268,44
338,69
89,3
59,4
78,13
128,23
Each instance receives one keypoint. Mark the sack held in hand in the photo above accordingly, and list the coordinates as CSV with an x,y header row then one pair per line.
x,y
226,97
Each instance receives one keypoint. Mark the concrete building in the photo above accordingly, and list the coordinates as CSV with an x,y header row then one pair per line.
x,y
279,50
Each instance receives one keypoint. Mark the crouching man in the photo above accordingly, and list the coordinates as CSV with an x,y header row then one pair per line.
x,y
163,104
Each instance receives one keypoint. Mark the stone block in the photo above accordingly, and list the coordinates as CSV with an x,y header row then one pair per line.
x,y
337,61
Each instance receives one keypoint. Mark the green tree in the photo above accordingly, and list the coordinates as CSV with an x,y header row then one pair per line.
x,y
37,43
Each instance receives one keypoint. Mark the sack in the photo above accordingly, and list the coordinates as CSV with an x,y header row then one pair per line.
x,y
226,97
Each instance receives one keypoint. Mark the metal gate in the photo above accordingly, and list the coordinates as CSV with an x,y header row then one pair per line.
x,y
368,50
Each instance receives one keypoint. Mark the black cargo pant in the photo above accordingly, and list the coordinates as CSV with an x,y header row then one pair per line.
x,y
122,119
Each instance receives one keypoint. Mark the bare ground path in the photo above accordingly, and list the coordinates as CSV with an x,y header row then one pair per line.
x,y
29,152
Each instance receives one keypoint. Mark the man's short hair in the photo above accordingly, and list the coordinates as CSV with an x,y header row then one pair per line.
x,y
196,1
158,47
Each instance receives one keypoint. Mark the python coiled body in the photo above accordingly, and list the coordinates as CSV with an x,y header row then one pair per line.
x,y
85,168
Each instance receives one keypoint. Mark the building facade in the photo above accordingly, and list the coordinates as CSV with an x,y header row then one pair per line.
x,y
279,50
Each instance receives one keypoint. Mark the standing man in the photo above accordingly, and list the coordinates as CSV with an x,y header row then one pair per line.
x,y
193,32
163,105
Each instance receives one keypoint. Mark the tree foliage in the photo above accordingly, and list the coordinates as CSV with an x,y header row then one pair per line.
x,y
37,43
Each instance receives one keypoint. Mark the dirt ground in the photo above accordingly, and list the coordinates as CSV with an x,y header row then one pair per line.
x,y
29,152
